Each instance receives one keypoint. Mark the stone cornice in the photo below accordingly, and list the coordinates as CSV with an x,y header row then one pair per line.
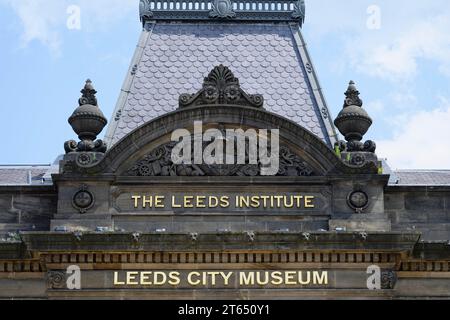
x,y
122,242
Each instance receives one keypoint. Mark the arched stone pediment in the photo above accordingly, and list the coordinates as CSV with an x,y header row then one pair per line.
x,y
302,148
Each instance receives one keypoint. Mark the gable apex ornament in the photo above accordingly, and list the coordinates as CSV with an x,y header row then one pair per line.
x,y
221,87
222,9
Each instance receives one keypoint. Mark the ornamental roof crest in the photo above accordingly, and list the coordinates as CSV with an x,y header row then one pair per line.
x,y
221,87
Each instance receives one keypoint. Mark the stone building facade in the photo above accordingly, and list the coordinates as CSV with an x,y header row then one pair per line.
x,y
119,218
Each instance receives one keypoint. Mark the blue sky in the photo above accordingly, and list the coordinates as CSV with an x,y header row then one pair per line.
x,y
398,52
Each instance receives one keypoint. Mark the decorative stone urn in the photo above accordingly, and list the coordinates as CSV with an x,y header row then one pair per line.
x,y
87,121
353,122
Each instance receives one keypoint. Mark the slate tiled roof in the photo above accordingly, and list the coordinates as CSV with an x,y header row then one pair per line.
x,y
22,175
175,58
422,178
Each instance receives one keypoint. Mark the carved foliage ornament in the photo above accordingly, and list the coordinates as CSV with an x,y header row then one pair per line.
x,y
222,9
388,279
56,280
300,11
221,87
159,163
145,12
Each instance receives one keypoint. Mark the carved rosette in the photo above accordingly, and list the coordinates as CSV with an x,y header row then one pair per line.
x,y
358,200
222,9
388,279
159,163
221,87
56,280
83,199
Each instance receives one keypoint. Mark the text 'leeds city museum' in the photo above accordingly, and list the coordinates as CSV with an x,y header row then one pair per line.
x,y
120,218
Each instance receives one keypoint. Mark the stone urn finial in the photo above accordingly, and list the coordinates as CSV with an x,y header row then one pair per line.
x,y
353,122
87,121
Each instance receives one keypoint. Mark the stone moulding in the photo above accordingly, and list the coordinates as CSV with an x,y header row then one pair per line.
x,y
386,242
224,10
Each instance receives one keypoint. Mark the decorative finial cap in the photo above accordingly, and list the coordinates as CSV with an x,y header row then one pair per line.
x,y
88,94
87,121
352,96
353,121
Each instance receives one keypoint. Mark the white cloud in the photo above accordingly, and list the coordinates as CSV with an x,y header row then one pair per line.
x,y
398,58
39,19
422,142
45,20
408,34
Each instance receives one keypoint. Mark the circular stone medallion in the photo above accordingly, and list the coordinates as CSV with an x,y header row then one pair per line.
x,y
358,200
83,200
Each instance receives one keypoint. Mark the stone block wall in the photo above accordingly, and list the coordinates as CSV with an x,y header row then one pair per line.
x,y
423,209
26,208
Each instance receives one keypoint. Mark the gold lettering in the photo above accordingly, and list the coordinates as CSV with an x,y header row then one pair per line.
x,y
174,203
289,278
300,277
146,201
278,198
322,279
159,202
190,281
156,278
213,277
226,277
116,279
277,278
259,280
145,278
188,201
215,203
247,279
201,202
265,198
255,202
136,201
224,202
131,278
174,277
291,204
245,202
298,199
309,202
